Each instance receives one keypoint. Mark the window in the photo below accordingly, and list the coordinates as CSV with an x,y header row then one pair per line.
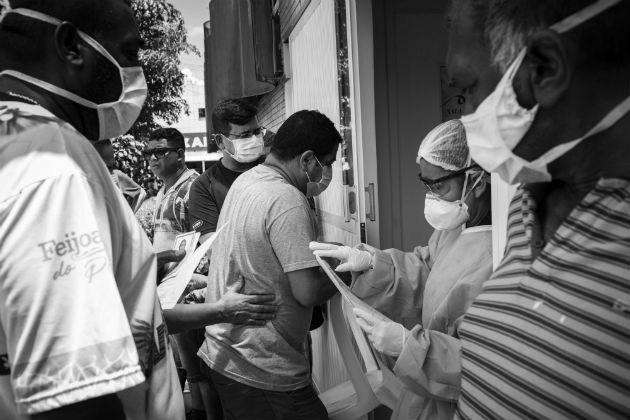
x,y
202,112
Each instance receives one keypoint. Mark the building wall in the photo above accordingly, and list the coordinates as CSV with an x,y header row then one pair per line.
x,y
272,106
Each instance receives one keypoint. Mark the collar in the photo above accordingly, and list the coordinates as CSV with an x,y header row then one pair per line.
x,y
182,178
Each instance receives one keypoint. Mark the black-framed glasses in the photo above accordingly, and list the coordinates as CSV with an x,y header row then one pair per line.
x,y
158,152
245,134
435,185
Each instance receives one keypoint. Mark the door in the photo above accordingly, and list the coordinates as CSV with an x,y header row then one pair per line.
x,y
319,79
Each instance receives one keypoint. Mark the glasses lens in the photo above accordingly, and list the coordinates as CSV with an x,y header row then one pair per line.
x,y
158,153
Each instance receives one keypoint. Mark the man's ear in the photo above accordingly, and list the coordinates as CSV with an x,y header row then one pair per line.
x,y
481,187
548,66
218,140
67,42
305,158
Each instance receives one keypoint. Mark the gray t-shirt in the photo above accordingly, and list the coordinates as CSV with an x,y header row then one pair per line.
x,y
269,226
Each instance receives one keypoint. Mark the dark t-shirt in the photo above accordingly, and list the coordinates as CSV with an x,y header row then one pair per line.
x,y
207,195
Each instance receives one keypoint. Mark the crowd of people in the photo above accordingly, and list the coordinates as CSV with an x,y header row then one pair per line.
x,y
544,335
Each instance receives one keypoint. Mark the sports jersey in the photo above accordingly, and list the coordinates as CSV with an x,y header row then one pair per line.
x,y
79,315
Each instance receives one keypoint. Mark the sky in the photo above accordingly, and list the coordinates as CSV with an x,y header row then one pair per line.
x,y
195,13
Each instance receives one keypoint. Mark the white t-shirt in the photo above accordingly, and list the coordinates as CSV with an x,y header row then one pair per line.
x,y
79,315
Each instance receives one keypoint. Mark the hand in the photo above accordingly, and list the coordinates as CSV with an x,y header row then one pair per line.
x,y
166,257
352,259
247,309
387,337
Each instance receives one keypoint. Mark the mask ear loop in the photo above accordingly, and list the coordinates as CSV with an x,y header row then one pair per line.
x,y
6,9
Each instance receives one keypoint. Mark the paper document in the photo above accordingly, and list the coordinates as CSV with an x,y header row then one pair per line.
x,y
171,288
346,292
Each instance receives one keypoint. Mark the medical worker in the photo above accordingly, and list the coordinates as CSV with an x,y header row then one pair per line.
x,y
426,292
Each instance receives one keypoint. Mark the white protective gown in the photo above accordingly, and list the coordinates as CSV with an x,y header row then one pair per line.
x,y
428,291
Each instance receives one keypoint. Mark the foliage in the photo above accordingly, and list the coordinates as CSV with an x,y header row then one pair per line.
x,y
162,28
128,158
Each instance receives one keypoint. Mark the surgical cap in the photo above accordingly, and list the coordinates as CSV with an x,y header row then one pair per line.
x,y
445,146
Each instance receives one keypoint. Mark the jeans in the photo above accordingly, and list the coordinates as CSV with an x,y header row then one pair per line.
x,y
243,402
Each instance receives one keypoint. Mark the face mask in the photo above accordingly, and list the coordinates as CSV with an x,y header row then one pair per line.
x,y
245,150
448,215
114,118
500,123
313,189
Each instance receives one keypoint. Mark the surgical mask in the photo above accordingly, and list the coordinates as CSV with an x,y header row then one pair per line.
x,y
500,122
314,189
114,118
246,150
448,215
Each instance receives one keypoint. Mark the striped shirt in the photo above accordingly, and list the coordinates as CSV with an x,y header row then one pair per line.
x,y
550,337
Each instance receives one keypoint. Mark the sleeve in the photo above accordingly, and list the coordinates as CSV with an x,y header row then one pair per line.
x,y
67,332
203,210
430,364
290,233
395,284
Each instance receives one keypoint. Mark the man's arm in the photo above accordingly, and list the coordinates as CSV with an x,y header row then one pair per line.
x,y
233,308
311,286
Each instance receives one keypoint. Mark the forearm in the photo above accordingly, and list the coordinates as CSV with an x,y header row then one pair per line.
x,y
182,317
324,293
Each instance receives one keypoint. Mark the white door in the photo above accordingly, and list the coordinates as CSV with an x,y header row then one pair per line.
x,y
315,82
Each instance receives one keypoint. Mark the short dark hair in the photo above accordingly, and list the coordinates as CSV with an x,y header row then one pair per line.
x,y
19,35
235,111
302,131
100,145
173,137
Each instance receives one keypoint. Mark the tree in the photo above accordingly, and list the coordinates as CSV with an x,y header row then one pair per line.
x,y
162,28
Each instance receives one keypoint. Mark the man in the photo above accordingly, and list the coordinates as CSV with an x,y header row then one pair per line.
x,y
264,372
133,193
167,160
235,124
82,331
549,335
240,138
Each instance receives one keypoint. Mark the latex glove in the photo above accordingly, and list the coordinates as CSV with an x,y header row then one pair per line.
x,y
352,259
387,337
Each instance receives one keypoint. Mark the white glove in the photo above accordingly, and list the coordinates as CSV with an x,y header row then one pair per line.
x,y
352,259
387,337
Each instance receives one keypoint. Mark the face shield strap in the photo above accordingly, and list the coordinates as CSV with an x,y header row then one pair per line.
x,y
583,15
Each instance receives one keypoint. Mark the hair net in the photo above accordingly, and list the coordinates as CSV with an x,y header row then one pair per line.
x,y
445,146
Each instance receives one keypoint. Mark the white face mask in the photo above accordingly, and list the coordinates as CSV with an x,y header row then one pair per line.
x,y
246,150
448,215
500,123
114,118
313,189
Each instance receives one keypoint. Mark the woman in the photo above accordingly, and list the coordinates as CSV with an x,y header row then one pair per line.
x,y
428,290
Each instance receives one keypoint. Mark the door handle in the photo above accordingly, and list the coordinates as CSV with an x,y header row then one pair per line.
x,y
370,200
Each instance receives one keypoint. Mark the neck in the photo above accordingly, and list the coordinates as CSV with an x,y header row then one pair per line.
x,y
230,163
170,180
83,119
285,170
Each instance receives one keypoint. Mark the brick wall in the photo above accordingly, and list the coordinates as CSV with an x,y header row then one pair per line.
x,y
271,106
271,111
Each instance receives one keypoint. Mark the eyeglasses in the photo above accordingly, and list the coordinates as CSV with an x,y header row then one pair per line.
x,y
436,186
158,153
245,134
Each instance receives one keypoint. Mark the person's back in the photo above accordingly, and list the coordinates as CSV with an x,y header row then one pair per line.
x,y
261,202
